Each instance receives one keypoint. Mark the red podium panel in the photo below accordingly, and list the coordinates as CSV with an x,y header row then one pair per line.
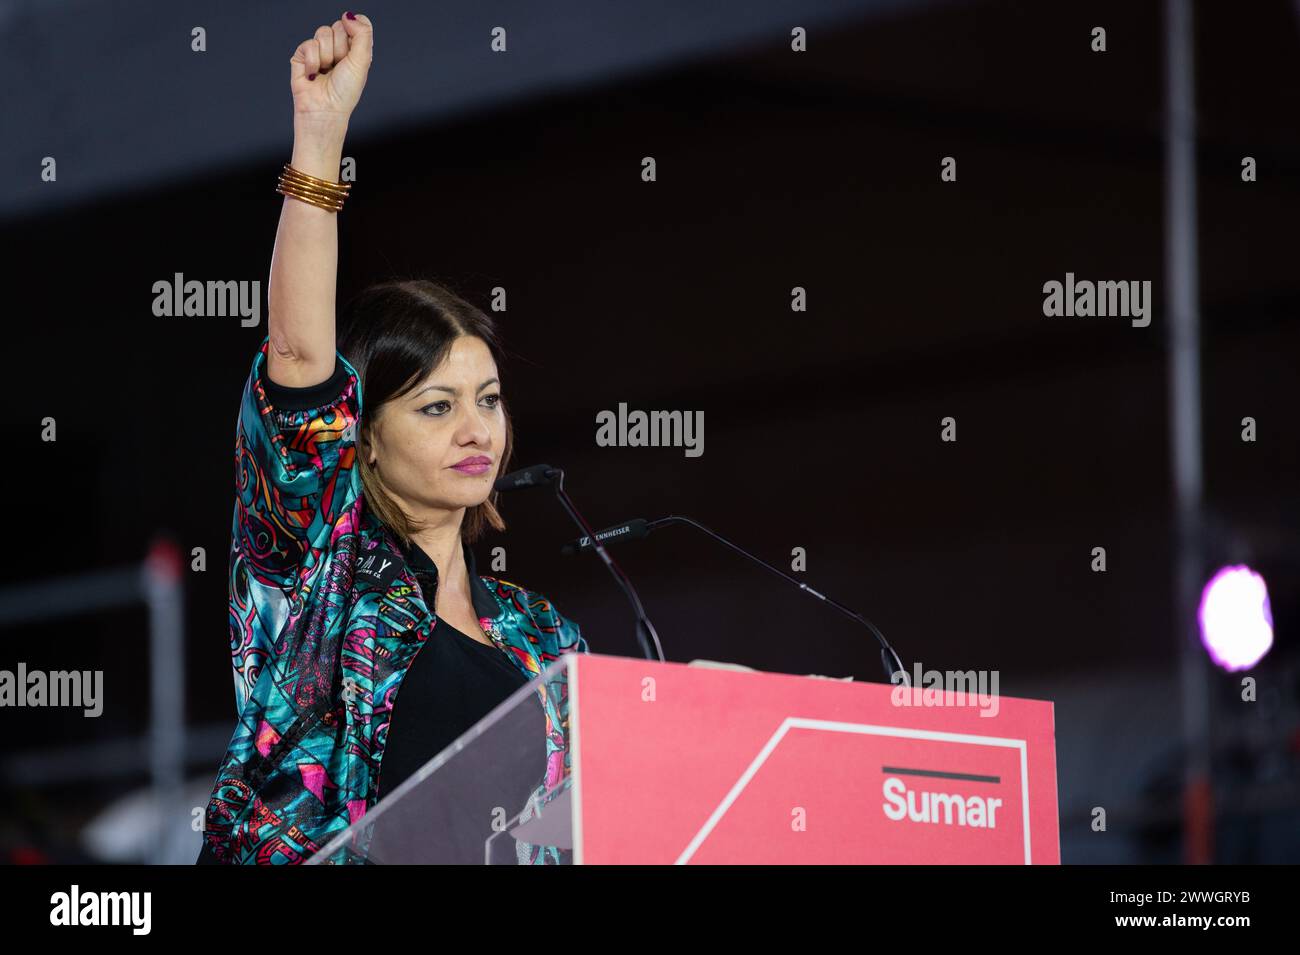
x,y
682,764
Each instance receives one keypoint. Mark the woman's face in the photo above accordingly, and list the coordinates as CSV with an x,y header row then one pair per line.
x,y
417,440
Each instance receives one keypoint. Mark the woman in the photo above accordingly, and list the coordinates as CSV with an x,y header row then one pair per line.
x,y
350,567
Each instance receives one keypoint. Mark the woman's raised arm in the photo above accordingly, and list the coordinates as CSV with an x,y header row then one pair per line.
x,y
327,75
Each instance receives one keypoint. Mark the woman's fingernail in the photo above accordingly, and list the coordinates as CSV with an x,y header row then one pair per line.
x,y
350,15
312,77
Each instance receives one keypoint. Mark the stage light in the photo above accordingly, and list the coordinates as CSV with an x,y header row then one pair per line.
x,y
1235,618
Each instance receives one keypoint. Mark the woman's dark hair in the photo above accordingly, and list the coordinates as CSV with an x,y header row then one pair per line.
x,y
394,334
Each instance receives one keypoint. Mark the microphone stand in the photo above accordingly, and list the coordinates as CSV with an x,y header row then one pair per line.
x,y
646,636
888,658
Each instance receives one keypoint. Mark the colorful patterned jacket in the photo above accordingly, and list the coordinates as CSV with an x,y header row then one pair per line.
x,y
304,760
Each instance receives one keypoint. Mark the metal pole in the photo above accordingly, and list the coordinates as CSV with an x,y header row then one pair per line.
x,y
162,586
1181,267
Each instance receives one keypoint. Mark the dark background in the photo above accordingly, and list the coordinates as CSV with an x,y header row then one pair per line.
x,y
821,429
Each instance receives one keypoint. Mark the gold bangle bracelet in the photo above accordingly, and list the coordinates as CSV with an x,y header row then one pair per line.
x,y
330,205
310,189
302,177
319,203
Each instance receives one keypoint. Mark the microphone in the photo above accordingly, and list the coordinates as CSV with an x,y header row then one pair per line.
x,y
638,528
538,475
628,530
543,475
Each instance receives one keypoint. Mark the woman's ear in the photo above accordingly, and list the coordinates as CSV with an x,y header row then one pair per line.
x,y
364,444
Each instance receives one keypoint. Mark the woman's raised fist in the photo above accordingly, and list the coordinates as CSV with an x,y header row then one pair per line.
x,y
328,72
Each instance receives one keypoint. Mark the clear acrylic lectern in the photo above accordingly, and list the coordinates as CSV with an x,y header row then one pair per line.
x,y
498,795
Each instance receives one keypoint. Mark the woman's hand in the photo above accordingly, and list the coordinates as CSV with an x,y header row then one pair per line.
x,y
328,72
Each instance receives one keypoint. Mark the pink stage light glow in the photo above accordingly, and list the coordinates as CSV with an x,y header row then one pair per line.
x,y
1235,618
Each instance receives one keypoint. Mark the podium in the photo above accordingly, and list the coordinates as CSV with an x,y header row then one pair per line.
x,y
615,760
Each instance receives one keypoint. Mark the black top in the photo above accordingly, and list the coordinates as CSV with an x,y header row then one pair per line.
x,y
453,682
